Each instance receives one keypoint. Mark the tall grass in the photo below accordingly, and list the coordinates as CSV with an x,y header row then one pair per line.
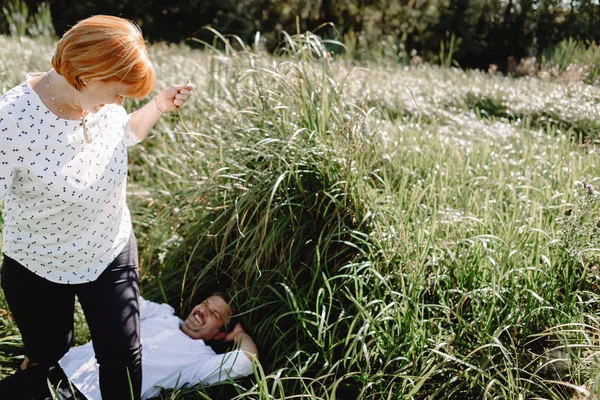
x,y
385,233
575,58
21,22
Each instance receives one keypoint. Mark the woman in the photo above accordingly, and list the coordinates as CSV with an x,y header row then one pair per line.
x,y
63,169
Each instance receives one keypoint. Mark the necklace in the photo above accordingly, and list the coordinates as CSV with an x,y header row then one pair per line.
x,y
81,119
50,90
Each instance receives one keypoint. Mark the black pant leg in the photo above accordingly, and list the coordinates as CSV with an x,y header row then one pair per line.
x,y
25,385
29,384
43,311
111,307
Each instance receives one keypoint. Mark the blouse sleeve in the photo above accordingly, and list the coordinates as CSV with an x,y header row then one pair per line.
x,y
149,309
130,138
10,152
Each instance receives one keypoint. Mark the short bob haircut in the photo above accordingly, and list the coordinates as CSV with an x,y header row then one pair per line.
x,y
105,48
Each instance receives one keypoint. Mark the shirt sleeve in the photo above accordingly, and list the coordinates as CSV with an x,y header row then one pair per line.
x,y
10,152
129,136
150,309
222,367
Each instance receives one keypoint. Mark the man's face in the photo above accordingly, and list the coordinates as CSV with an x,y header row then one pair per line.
x,y
206,319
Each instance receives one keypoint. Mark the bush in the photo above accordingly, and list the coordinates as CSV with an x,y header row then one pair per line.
x,y
20,23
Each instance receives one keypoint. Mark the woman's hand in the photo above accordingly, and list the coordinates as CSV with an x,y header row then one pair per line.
x,y
173,97
169,99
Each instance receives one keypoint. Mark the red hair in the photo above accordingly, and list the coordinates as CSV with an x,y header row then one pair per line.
x,y
105,48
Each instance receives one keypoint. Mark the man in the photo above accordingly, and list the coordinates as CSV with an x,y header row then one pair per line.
x,y
174,352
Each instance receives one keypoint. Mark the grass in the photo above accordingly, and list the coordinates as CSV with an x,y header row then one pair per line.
x,y
574,58
388,232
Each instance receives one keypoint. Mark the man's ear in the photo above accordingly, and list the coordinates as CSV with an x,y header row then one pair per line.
x,y
220,336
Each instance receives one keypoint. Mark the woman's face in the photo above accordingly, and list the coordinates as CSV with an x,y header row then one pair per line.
x,y
97,93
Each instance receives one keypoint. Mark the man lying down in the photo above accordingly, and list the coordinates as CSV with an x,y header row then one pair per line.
x,y
174,352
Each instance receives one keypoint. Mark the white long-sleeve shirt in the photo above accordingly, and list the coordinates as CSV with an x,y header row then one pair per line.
x,y
65,216
170,358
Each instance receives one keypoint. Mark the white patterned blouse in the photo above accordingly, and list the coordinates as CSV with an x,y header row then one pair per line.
x,y
65,216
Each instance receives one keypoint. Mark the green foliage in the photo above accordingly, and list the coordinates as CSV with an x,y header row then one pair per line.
x,y
21,23
17,15
575,57
40,24
368,261
387,232
486,31
447,50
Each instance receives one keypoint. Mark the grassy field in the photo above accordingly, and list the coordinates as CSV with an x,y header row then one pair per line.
x,y
388,232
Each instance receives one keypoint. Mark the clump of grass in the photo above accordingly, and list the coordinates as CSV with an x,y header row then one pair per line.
x,y
370,259
22,23
279,218
573,60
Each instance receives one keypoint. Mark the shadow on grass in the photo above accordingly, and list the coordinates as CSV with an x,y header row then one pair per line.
x,y
493,108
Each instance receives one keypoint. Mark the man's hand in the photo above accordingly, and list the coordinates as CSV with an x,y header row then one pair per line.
x,y
243,341
234,333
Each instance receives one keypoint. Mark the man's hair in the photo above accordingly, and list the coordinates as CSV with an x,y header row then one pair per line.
x,y
105,48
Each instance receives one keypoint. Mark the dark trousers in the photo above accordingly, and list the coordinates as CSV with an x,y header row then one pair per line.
x,y
43,311
32,384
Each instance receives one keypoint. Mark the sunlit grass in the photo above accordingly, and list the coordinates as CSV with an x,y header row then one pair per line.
x,y
388,232
580,60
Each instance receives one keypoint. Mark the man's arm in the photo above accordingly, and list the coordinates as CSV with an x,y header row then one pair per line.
x,y
242,341
150,309
230,365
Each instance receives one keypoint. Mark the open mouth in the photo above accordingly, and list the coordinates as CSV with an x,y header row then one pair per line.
x,y
195,321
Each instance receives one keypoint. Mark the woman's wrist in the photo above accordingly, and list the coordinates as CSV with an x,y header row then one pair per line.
x,y
157,106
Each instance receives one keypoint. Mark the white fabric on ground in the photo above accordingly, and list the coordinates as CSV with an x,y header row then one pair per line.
x,y
170,358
